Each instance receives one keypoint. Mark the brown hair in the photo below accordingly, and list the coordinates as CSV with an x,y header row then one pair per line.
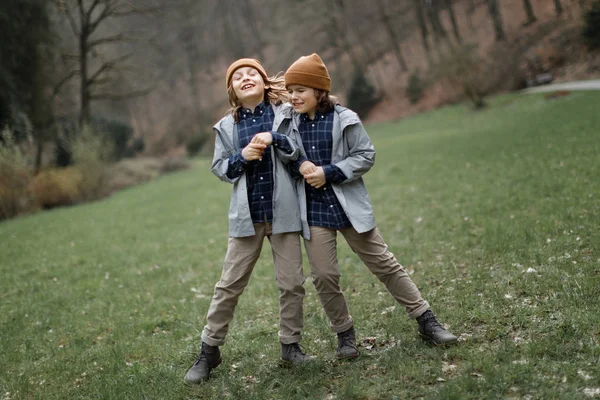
x,y
325,101
275,94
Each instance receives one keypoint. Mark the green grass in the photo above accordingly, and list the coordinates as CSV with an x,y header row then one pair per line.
x,y
495,214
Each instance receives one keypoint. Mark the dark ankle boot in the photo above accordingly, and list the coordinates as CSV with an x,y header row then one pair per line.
x,y
292,354
347,345
431,330
209,358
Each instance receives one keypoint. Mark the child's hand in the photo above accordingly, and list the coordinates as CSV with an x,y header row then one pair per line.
x,y
263,138
253,151
307,167
316,179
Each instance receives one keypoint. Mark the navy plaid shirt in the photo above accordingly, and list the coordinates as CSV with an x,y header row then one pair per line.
x,y
323,207
259,174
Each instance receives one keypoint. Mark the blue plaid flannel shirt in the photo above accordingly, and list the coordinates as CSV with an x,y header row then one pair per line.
x,y
259,174
322,206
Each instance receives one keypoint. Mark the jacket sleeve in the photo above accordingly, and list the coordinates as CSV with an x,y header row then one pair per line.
x,y
361,153
221,161
285,148
294,166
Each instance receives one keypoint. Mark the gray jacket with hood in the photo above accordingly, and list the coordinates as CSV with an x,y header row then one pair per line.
x,y
354,154
286,211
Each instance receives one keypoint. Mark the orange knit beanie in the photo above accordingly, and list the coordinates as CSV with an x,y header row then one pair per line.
x,y
309,71
245,62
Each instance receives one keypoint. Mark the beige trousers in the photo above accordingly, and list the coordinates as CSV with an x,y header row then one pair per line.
x,y
321,250
242,254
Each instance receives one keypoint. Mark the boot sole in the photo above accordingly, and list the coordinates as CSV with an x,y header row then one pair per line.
x,y
430,340
351,357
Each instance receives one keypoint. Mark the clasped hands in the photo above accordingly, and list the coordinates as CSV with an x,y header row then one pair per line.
x,y
255,149
315,176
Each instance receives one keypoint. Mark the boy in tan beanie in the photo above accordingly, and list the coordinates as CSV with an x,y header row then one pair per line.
x,y
336,153
251,147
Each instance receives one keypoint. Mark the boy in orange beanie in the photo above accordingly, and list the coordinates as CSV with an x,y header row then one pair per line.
x,y
336,153
251,147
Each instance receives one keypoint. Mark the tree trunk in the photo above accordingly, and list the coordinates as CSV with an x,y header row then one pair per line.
x,y
470,12
496,16
342,34
453,20
422,24
392,35
529,11
558,7
433,12
84,115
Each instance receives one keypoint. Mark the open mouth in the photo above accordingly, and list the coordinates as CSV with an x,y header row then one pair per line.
x,y
247,86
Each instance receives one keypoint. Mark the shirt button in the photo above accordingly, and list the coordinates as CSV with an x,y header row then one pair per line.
x,y
324,188
331,206
313,125
313,147
263,197
261,178
253,120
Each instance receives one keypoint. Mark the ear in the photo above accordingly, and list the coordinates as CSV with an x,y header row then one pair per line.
x,y
267,86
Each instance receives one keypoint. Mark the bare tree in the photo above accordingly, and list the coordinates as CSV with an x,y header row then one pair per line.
x,y
394,41
422,24
453,20
529,11
494,12
432,10
558,7
85,17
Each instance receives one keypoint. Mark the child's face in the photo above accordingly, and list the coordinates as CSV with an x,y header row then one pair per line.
x,y
248,85
303,99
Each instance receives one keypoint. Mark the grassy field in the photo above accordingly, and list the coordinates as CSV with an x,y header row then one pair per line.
x,y
496,214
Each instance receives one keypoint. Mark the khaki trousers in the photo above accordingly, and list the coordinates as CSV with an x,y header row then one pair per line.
x,y
242,254
321,250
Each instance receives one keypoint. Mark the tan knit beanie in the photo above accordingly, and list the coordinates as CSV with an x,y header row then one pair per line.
x,y
309,71
245,62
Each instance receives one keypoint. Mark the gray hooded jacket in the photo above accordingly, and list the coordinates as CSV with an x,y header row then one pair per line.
x,y
354,154
286,212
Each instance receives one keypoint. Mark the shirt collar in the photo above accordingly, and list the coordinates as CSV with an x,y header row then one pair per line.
x,y
319,116
258,111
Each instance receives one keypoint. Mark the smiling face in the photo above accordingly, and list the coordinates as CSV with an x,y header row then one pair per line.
x,y
248,86
303,99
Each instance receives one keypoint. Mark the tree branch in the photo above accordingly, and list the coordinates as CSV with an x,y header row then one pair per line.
x,y
92,7
67,11
108,65
107,12
63,81
121,96
121,37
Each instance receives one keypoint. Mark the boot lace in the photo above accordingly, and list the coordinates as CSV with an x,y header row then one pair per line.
x,y
345,339
430,322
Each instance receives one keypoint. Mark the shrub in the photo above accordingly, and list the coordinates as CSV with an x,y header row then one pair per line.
x,y
362,96
130,172
462,68
15,176
591,29
195,143
172,164
415,88
114,133
57,187
91,155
